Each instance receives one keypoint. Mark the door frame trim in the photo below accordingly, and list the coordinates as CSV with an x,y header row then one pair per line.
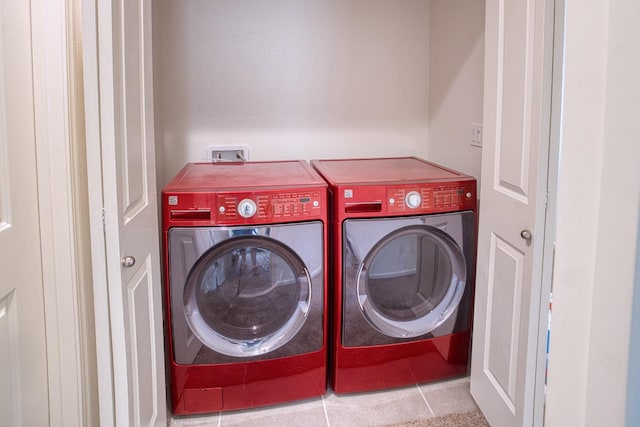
x,y
63,224
549,228
97,223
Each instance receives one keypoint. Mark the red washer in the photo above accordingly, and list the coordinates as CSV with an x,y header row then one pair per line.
x,y
245,250
404,242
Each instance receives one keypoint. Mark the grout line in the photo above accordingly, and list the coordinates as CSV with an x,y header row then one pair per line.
x,y
326,413
219,418
425,401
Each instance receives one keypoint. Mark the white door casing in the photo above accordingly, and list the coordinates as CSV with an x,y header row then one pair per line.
x,y
509,291
118,76
62,196
24,389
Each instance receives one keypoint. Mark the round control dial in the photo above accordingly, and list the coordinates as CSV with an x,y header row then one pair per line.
x,y
413,199
247,208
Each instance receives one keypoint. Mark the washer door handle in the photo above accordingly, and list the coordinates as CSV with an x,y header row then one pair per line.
x,y
128,261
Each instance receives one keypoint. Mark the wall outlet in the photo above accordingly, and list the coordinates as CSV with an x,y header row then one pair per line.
x,y
228,153
476,135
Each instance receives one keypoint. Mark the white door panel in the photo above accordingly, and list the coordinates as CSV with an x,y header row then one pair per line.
x,y
23,364
502,340
10,400
142,336
136,208
123,71
514,173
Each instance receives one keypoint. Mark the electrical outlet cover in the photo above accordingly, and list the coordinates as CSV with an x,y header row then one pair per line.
x,y
228,153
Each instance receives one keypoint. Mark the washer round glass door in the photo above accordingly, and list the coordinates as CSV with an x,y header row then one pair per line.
x,y
411,281
247,296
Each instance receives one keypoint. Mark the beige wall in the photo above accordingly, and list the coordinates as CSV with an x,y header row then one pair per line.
x,y
456,84
317,79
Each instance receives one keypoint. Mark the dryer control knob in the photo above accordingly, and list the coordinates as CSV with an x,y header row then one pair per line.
x,y
413,199
247,208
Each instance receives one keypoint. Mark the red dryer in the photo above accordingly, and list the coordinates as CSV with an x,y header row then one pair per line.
x,y
245,254
404,242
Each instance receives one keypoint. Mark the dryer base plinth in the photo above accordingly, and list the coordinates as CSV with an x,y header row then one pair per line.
x,y
359,369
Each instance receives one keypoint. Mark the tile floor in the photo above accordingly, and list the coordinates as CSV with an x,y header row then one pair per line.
x,y
357,410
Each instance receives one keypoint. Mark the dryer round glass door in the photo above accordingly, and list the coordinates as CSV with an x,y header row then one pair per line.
x,y
247,296
411,281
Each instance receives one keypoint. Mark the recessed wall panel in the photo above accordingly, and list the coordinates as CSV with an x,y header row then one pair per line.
x,y
141,333
4,162
4,179
514,115
503,313
9,361
134,139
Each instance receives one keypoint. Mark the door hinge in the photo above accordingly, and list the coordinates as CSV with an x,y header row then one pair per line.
x,y
104,221
546,200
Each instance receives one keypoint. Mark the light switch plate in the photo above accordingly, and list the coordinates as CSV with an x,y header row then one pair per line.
x,y
476,135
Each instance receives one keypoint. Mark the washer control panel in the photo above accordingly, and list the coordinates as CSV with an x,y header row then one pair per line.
x,y
235,208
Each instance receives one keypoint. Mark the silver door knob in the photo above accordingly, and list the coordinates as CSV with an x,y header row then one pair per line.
x,y
128,261
525,234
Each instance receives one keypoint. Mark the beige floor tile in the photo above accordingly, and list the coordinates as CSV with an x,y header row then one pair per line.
x,y
209,420
346,410
309,413
375,409
449,397
436,385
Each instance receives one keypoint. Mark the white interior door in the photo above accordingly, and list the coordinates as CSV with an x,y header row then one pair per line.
x,y
118,79
505,375
23,363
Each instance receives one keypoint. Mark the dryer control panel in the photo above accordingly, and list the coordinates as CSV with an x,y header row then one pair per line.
x,y
404,199
438,197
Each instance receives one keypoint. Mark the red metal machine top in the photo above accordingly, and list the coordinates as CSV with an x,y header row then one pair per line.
x,y
204,194
243,176
383,171
395,186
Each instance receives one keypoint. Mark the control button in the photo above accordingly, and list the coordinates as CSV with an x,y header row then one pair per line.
x,y
221,209
247,208
316,203
468,195
392,201
413,199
